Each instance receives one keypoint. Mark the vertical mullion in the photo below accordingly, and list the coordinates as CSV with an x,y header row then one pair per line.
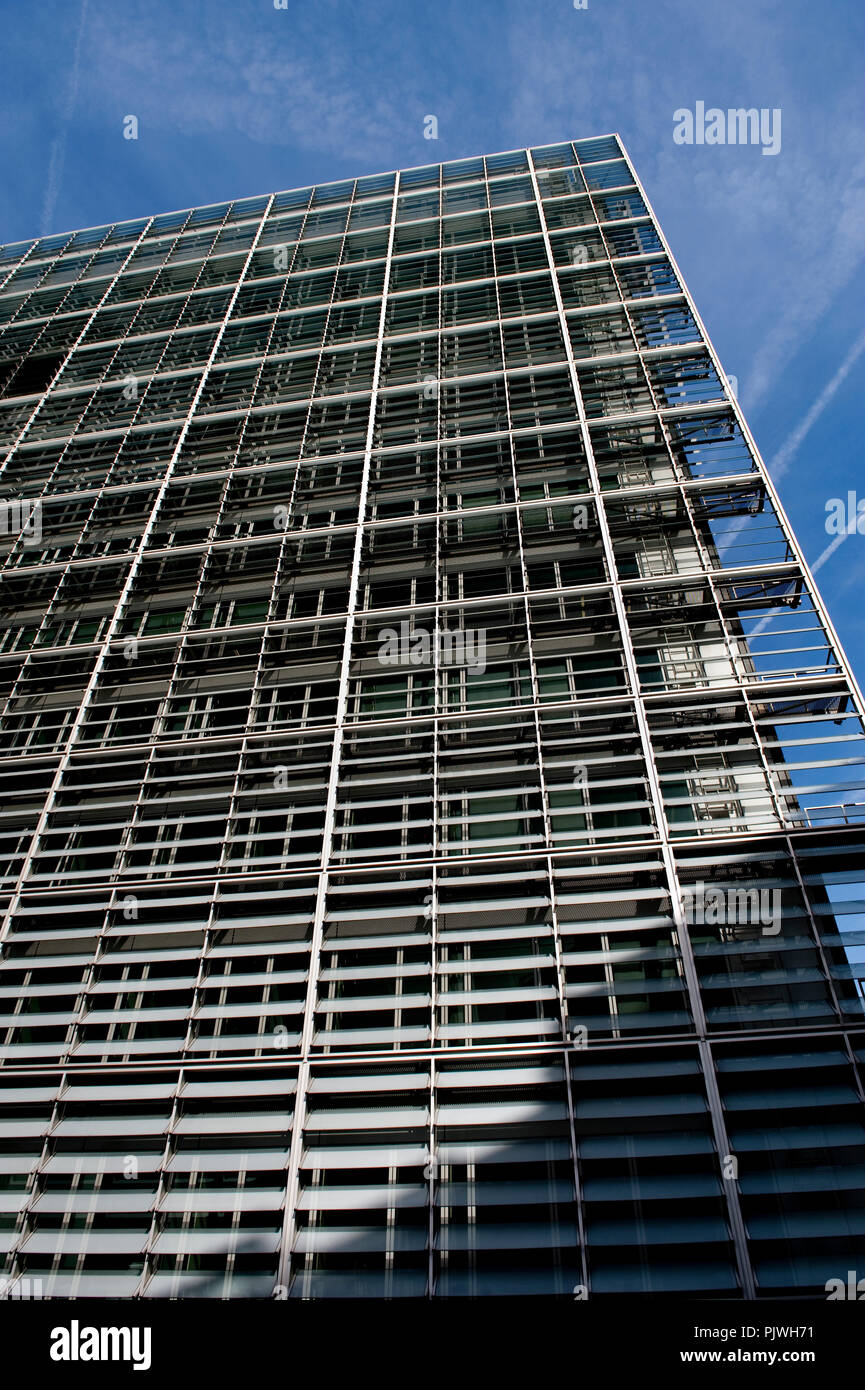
x,y
120,606
846,670
713,1095
308,1031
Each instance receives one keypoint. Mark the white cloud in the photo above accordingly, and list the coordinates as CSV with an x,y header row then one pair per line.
x,y
785,455
57,158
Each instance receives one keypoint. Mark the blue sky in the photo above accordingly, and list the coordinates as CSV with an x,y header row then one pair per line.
x,y
235,97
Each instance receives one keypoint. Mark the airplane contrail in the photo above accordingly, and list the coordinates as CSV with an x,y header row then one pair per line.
x,y
58,144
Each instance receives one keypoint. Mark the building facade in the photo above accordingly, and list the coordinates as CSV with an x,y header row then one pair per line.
x,y
432,824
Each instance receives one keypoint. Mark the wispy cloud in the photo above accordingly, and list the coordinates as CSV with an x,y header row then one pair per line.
x,y
785,455
57,157
283,81
832,547
783,459
828,250
787,231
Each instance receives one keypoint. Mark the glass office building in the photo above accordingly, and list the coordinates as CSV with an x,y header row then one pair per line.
x,y
432,830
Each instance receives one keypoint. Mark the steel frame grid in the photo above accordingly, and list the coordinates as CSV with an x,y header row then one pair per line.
x,y
634,698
